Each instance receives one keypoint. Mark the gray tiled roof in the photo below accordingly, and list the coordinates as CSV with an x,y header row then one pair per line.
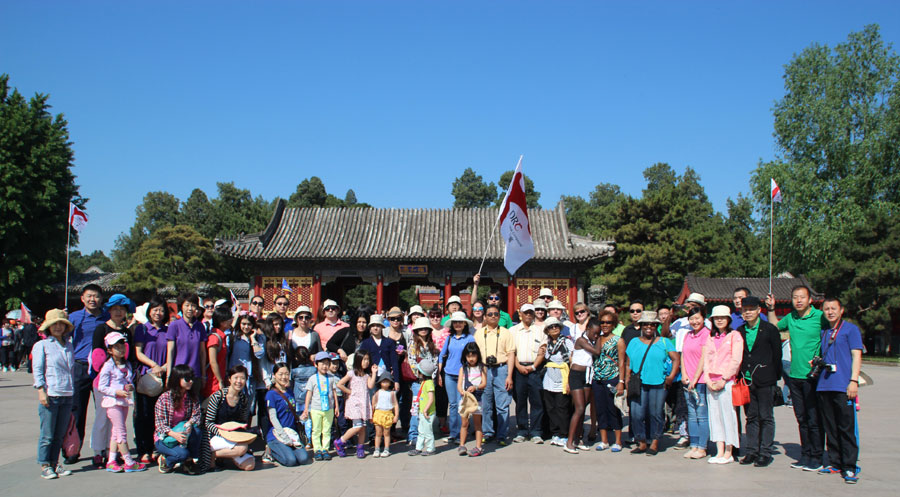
x,y
722,289
319,233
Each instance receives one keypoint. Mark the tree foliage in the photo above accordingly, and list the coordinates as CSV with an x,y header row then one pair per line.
x,y
158,210
470,191
36,185
311,193
176,256
531,195
79,263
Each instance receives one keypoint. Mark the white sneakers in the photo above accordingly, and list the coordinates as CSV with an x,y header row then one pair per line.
x,y
720,460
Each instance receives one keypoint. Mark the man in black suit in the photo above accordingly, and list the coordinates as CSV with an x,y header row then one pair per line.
x,y
761,368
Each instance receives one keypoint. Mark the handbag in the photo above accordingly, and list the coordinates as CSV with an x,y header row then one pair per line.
x,y
170,441
634,381
298,427
740,392
71,441
150,385
406,372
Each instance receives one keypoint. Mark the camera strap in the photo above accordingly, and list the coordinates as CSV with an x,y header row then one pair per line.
x,y
831,339
496,344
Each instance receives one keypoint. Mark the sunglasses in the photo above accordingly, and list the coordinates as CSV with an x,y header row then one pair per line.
x,y
304,317
189,380
281,304
478,308
492,314
256,302
608,322
208,307
635,310
434,315
581,312
494,297
331,309
395,318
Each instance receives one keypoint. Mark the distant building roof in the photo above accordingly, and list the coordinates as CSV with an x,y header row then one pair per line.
x,y
94,275
366,234
721,290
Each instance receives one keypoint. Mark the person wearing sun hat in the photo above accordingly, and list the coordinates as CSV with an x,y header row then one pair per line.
x,y
421,348
53,362
454,304
332,322
383,350
720,365
528,338
449,365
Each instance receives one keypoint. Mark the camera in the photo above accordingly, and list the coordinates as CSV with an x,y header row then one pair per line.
x,y
491,361
817,364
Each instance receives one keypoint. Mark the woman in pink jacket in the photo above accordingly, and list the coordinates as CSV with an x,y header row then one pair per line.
x,y
719,365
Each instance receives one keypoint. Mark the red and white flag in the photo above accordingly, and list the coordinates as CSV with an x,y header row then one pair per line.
x,y
235,305
77,217
26,315
776,191
514,226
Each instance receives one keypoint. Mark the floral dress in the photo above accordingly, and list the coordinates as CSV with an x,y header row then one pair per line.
x,y
359,405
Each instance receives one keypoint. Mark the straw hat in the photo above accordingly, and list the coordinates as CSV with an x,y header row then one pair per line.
x,y
303,309
546,292
697,298
721,311
231,431
648,317
556,304
552,321
416,309
460,316
375,319
454,300
421,323
540,304
468,404
57,316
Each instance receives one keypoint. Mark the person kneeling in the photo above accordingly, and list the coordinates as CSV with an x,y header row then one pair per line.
x,y
227,412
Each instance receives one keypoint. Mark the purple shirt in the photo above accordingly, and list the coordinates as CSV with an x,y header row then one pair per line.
x,y
154,342
190,342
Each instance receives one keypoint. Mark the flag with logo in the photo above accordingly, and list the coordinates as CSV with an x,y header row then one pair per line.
x,y
776,191
77,217
285,286
514,226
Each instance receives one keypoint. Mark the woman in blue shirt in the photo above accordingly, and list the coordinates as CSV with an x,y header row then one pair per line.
x,y
382,349
451,362
648,356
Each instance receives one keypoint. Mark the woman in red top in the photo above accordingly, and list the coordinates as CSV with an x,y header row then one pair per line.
x,y
218,352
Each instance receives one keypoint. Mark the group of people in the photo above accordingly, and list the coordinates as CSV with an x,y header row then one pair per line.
x,y
196,380
17,337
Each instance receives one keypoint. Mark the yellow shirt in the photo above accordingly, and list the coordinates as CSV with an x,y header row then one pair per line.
x,y
527,341
497,342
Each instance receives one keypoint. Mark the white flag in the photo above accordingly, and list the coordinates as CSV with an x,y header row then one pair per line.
x,y
77,217
514,226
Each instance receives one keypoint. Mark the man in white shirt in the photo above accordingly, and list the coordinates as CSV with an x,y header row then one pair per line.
x,y
528,338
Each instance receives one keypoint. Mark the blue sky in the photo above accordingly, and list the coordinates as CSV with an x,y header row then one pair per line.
x,y
394,99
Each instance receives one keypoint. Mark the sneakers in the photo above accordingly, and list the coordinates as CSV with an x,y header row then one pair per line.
x,y
573,450
47,473
163,467
384,453
602,446
519,439
559,442
318,455
62,471
812,467
503,442
360,451
427,453
462,451
415,452
682,443
615,448
583,446
190,466
537,440
134,467
326,456
97,461
266,457
850,477
339,447
114,467
828,470
799,464
477,451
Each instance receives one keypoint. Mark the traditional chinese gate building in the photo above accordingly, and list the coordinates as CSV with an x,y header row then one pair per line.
x,y
322,252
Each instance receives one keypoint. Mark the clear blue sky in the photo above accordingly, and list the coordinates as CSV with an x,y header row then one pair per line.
x,y
395,99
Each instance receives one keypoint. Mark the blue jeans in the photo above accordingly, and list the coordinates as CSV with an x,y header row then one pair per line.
x,y
453,418
180,453
496,397
413,433
54,421
288,456
653,399
698,416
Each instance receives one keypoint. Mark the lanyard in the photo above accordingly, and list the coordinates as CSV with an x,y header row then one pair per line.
x,y
834,332
323,396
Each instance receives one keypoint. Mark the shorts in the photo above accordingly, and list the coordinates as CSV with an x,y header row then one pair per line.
x,y
358,423
219,443
383,418
577,380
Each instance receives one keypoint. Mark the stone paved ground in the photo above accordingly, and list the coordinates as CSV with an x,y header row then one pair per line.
x,y
518,470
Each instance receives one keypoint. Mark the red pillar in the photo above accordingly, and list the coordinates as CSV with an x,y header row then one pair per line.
x,y
573,296
379,294
511,296
448,290
257,286
317,294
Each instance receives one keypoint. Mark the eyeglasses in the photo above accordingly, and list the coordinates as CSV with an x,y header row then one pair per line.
x,y
395,318
494,297
633,311
304,317
256,302
608,322
208,307
580,312
332,309
281,304
492,314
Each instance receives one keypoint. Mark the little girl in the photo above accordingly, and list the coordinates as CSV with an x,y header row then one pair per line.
x,y
385,411
357,407
115,383
472,375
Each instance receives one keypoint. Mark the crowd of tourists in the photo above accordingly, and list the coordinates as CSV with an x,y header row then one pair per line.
x,y
203,384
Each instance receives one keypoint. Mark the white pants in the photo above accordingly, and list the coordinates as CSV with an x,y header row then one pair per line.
x,y
722,418
102,427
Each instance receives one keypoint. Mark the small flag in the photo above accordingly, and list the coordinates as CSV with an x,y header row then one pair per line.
x,y
285,286
514,226
77,217
26,315
776,191
235,306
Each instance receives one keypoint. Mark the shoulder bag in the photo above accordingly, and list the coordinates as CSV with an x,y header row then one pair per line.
x,y
634,381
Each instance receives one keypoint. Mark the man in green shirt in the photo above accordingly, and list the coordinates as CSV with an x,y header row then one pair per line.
x,y
804,327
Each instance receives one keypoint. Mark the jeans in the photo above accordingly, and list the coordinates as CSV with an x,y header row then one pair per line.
x,y
180,453
413,432
288,456
653,399
496,397
806,410
54,421
760,421
425,437
453,418
528,393
697,416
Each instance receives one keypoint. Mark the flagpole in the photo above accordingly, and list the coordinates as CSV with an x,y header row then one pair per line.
x,y
68,237
771,236
497,221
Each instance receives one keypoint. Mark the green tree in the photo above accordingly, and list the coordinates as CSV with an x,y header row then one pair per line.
x,y
360,295
837,132
235,211
198,212
176,256
594,216
531,196
470,191
310,193
37,185
158,210
79,263
350,198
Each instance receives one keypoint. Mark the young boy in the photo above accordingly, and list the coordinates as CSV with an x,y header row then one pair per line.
x,y
425,406
321,405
